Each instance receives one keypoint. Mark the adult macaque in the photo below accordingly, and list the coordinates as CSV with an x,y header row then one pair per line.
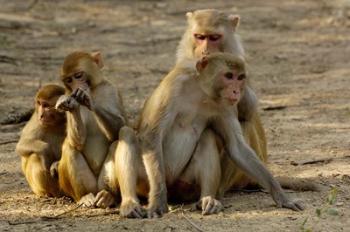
x,y
178,151
211,31
95,114
41,141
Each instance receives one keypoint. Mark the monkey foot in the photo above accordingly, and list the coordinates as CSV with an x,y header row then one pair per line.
x,y
104,199
283,201
87,200
209,205
156,211
54,170
132,209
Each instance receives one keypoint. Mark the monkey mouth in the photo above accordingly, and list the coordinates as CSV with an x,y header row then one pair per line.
x,y
46,121
232,101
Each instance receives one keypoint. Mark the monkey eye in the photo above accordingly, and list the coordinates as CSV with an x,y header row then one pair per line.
x,y
241,77
199,36
229,75
45,105
78,75
68,80
38,102
214,37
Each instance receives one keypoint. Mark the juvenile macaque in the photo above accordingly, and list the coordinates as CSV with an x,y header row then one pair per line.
x,y
95,114
41,141
176,147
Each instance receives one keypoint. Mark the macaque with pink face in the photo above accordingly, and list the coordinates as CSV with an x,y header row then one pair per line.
x,y
173,147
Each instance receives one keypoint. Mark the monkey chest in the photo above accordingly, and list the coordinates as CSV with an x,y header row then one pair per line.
x,y
55,142
96,145
180,143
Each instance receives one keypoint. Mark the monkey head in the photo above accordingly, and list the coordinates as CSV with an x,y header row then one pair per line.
x,y
210,31
222,77
45,101
81,70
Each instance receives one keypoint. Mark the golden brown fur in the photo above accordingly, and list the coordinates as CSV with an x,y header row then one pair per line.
x,y
95,113
173,148
41,141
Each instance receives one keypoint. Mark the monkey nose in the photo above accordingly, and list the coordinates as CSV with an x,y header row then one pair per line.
x,y
205,52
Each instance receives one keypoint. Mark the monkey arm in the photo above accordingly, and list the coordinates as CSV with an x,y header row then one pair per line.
x,y
243,155
109,110
152,155
246,159
76,131
26,147
157,117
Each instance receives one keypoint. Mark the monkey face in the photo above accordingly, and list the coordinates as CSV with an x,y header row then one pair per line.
x,y
233,84
76,80
222,77
47,114
206,43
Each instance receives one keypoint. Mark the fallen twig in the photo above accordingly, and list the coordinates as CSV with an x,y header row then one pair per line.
x,y
22,222
61,214
103,214
314,161
43,218
9,141
268,108
191,222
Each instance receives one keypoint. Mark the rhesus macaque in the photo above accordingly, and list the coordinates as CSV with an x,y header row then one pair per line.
x,y
41,141
177,148
211,31
95,113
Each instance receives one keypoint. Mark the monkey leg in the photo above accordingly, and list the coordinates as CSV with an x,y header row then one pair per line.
x,y
204,170
75,177
129,169
232,176
39,179
107,183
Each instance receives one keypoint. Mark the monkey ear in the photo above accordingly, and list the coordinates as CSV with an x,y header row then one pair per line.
x,y
234,19
201,64
97,57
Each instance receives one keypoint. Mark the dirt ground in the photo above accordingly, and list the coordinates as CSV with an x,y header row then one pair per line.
x,y
299,54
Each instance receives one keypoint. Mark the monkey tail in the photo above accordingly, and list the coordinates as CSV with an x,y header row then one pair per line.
x,y
299,184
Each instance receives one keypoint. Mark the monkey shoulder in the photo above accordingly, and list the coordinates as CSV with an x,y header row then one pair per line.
x,y
32,130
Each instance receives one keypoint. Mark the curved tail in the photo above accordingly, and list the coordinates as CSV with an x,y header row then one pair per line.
x,y
299,184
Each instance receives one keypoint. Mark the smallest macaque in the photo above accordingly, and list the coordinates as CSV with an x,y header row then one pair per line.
x,y
41,141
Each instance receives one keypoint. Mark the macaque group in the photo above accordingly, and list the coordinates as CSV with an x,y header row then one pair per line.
x,y
199,133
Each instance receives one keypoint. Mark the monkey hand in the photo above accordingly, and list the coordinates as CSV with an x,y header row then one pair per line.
x,y
66,103
83,97
132,209
209,205
46,162
104,199
87,200
157,206
283,201
54,170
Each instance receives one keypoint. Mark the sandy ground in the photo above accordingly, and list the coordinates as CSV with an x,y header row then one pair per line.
x,y
299,54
